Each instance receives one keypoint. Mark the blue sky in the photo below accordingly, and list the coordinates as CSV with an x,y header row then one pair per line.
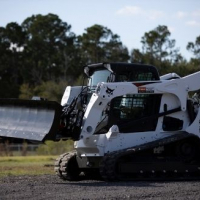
x,y
130,19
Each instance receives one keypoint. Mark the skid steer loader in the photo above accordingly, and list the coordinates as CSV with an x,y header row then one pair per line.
x,y
127,123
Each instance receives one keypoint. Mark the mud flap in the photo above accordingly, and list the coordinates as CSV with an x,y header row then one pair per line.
x,y
29,119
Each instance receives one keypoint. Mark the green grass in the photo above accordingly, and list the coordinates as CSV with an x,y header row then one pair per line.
x,y
28,165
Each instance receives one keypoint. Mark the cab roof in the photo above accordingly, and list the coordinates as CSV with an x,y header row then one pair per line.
x,y
121,68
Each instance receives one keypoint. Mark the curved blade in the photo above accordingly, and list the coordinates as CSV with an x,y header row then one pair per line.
x,y
29,119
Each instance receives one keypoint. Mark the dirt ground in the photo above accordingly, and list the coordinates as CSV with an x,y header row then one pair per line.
x,y
51,187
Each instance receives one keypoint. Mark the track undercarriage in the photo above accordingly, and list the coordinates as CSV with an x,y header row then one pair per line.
x,y
178,160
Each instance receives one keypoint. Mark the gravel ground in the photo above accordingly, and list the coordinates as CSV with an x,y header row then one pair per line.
x,y
51,187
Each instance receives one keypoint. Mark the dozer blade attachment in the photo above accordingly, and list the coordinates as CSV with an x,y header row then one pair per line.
x,y
29,119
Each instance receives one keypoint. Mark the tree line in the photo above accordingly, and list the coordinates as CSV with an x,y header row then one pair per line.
x,y
42,55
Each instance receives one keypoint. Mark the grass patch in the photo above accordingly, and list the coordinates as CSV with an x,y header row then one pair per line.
x,y
28,165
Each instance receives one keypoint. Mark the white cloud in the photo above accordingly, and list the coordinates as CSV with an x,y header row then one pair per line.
x,y
181,14
130,10
155,14
196,13
137,11
193,23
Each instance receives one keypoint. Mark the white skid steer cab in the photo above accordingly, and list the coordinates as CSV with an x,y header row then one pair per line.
x,y
127,123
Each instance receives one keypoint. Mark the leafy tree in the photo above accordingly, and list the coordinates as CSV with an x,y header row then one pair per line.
x,y
49,90
158,45
26,91
47,48
11,45
195,47
157,49
99,44
137,56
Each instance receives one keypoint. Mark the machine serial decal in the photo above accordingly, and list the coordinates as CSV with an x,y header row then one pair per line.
x,y
145,90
